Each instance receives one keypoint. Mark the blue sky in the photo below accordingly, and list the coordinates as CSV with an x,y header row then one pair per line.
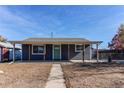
x,y
90,22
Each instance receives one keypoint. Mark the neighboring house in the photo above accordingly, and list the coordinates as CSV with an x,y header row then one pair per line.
x,y
5,51
56,48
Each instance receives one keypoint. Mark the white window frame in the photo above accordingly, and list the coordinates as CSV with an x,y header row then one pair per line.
x,y
76,48
39,53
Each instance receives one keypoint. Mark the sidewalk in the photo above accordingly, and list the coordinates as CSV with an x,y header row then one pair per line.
x,y
56,79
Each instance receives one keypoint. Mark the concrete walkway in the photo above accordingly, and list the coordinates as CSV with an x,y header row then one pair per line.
x,y
56,79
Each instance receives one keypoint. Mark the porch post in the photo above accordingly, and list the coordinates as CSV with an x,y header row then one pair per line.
x,y
52,52
44,56
90,51
60,52
84,52
13,52
97,52
29,53
68,52
21,54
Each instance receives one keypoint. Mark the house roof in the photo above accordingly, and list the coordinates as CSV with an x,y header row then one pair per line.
x,y
55,40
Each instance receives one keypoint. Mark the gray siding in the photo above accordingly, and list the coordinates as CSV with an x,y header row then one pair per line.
x,y
87,52
48,56
78,55
25,52
64,52
74,55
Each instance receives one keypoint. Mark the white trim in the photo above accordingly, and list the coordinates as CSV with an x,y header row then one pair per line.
x,y
39,53
76,48
53,51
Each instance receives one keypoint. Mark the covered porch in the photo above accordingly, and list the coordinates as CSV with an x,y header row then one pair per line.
x,y
58,51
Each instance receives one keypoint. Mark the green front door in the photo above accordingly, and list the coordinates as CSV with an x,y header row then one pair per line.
x,y
56,52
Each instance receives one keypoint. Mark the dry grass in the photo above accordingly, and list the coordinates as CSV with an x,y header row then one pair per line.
x,y
91,75
24,75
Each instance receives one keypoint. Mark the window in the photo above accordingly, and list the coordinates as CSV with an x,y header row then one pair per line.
x,y
38,49
78,48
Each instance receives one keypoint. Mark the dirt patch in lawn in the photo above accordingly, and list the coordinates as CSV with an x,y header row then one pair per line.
x,y
32,75
93,75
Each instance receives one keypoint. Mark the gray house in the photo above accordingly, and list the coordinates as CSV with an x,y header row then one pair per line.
x,y
56,48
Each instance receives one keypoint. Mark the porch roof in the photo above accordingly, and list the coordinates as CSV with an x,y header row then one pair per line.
x,y
55,41
8,45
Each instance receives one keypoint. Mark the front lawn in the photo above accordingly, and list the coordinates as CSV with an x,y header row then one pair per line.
x,y
24,75
93,75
